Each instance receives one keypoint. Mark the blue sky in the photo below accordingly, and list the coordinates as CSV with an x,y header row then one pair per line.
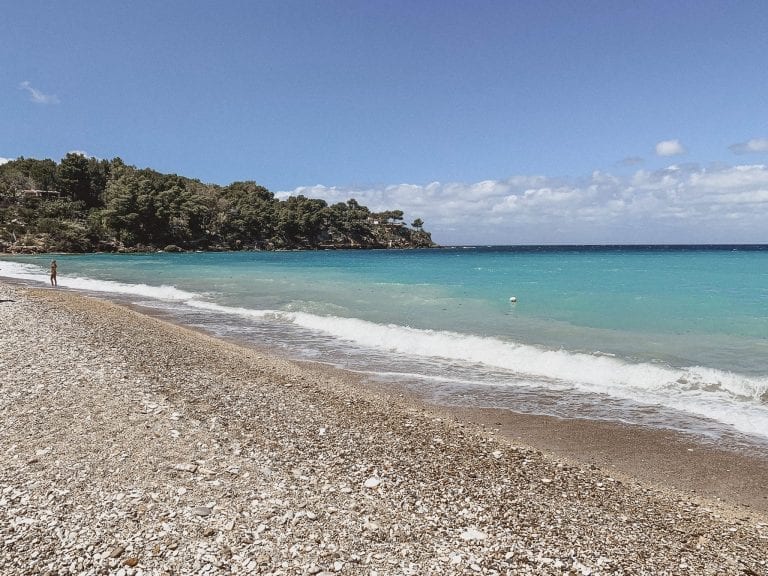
x,y
495,122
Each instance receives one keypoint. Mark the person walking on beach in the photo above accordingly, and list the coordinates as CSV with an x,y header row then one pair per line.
x,y
53,273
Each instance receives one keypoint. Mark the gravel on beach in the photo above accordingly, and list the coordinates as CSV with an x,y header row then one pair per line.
x,y
132,446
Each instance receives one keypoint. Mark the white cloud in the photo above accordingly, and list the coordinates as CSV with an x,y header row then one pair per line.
x,y
669,148
682,203
755,145
4,160
727,180
37,96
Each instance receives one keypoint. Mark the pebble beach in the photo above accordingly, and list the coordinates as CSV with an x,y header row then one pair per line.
x,y
132,446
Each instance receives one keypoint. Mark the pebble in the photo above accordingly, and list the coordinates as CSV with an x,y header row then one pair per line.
x,y
473,534
117,552
135,424
371,526
373,482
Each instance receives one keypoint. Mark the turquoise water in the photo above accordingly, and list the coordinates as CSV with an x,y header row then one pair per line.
x,y
674,337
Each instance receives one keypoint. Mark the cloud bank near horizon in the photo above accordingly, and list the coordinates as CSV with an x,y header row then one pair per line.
x,y
678,204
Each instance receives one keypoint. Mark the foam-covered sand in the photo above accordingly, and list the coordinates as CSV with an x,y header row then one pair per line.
x,y
133,446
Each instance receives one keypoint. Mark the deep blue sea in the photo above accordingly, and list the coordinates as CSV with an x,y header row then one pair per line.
x,y
672,337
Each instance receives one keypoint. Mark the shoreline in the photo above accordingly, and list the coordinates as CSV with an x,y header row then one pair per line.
x,y
137,445
662,458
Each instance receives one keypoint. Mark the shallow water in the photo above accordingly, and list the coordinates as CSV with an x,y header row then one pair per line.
x,y
671,337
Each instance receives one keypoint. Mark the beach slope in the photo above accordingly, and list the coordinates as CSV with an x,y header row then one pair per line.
x,y
134,446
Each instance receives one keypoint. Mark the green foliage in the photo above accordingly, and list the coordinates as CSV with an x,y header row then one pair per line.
x,y
246,214
91,204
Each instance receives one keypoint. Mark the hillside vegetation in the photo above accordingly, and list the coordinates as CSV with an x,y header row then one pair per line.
x,y
84,204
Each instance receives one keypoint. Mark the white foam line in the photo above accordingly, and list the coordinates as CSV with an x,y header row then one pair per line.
x,y
34,273
726,397
730,398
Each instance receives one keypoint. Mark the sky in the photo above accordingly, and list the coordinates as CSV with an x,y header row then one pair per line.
x,y
496,122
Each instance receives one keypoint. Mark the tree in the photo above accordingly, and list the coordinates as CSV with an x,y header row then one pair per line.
x,y
246,214
301,220
121,212
418,224
109,202
98,174
27,173
391,216
75,179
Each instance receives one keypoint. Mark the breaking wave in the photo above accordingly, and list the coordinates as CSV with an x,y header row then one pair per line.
x,y
733,399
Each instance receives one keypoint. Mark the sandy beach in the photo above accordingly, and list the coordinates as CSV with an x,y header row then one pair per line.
x,y
134,446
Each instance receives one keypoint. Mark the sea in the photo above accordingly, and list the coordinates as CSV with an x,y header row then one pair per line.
x,y
666,337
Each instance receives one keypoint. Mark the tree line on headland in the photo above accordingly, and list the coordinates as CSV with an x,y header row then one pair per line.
x,y
84,204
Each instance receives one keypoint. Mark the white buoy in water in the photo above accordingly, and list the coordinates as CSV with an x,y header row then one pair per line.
x,y
513,298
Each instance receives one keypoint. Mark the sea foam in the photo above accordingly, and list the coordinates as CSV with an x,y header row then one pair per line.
x,y
730,398
733,399
35,274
